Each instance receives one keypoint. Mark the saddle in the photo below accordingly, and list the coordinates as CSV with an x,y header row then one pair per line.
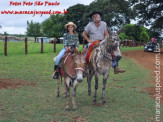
x,y
91,48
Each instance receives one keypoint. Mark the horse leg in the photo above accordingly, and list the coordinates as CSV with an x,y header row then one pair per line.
x,y
74,94
58,90
89,78
96,88
104,87
67,93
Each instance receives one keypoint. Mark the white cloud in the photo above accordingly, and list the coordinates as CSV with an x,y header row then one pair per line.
x,y
13,30
16,24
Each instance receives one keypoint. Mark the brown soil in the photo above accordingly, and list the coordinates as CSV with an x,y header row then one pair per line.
x,y
148,60
13,83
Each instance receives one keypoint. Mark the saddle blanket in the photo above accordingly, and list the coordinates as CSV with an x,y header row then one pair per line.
x,y
90,50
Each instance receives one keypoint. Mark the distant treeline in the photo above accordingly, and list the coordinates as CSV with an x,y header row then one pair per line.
x,y
117,14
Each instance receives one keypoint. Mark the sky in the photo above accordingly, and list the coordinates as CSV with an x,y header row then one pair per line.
x,y
17,24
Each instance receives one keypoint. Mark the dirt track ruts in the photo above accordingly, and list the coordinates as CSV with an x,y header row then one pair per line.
x,y
148,60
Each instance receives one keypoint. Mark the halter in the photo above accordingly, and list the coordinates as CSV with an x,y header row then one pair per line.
x,y
71,70
79,69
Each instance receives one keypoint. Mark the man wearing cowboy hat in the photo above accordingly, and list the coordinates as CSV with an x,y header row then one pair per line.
x,y
97,30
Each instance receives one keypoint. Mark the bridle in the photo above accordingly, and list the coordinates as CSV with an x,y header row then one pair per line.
x,y
78,68
107,54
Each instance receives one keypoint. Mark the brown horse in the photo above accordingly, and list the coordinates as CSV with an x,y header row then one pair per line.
x,y
72,69
100,62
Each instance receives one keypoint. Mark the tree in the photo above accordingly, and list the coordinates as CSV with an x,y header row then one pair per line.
x,y
144,36
5,33
53,26
34,29
115,12
135,32
149,12
0,26
123,36
76,14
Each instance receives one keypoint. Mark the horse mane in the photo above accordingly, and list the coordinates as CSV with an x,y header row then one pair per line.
x,y
105,42
79,53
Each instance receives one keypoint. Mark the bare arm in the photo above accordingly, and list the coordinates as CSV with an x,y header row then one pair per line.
x,y
86,37
106,34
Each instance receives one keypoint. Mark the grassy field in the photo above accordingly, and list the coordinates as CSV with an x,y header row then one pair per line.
x,y
125,100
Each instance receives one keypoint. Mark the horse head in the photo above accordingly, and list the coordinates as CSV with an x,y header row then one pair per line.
x,y
79,65
113,43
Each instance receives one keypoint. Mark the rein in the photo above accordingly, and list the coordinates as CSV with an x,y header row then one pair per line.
x,y
110,52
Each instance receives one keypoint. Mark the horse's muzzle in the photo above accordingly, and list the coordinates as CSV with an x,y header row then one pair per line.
x,y
79,73
79,79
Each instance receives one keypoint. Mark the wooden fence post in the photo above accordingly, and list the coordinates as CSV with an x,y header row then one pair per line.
x,y
54,46
123,44
26,50
126,44
42,45
5,46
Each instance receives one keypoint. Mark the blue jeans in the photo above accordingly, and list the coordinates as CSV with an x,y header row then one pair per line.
x,y
59,56
114,62
87,49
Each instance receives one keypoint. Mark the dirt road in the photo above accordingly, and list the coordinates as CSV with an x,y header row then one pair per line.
x,y
149,60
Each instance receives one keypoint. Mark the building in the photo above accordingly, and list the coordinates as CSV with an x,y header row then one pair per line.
x,y
10,38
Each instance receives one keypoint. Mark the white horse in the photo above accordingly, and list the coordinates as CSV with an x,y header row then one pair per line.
x,y
100,62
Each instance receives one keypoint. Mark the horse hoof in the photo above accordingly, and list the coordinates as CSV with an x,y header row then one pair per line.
x,y
67,109
104,102
74,109
89,94
57,96
94,101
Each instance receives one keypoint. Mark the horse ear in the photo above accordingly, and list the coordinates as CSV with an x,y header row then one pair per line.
x,y
109,31
120,30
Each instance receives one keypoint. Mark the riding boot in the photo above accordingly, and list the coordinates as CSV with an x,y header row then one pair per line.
x,y
121,70
117,70
56,74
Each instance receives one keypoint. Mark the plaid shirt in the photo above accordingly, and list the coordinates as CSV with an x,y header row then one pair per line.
x,y
70,40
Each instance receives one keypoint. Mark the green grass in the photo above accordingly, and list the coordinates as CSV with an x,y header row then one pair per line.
x,y
125,49
125,100
17,48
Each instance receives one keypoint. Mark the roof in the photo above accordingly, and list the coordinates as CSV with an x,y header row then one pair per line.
x,y
10,37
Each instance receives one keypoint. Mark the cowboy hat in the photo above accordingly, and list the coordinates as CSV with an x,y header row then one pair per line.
x,y
70,23
95,12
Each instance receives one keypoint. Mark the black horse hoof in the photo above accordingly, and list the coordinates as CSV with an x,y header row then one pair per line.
x,y
74,109
67,109
94,101
104,102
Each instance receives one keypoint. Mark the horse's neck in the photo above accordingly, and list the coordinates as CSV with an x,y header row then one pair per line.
x,y
103,50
